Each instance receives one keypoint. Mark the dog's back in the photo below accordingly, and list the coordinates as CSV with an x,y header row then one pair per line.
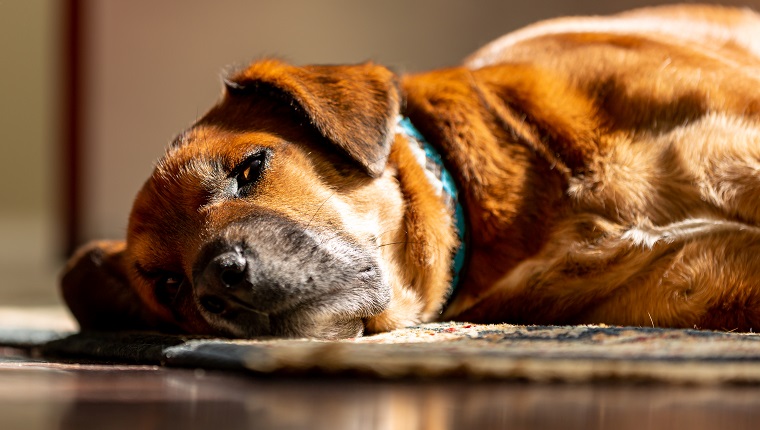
x,y
712,30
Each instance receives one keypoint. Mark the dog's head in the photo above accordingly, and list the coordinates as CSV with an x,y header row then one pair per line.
x,y
266,217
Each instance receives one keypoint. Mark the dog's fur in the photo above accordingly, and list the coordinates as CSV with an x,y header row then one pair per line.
x,y
609,168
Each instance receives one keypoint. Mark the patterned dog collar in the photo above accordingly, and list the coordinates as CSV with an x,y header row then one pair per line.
x,y
445,187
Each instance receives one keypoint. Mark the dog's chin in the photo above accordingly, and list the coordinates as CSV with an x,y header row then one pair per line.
x,y
329,330
254,325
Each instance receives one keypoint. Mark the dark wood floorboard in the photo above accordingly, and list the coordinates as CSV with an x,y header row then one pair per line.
x,y
39,395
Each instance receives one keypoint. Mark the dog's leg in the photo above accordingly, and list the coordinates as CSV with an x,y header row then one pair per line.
x,y
696,273
94,285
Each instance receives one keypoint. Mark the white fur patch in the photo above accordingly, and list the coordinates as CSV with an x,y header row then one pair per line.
x,y
648,236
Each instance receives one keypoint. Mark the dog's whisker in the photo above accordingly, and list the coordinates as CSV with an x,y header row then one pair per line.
x,y
179,291
379,236
319,209
403,242
326,240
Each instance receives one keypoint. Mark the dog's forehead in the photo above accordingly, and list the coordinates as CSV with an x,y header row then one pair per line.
x,y
210,144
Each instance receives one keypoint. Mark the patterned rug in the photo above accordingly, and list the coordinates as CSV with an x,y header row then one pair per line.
x,y
498,352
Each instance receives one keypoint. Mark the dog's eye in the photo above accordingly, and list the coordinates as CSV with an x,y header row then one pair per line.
x,y
249,171
168,287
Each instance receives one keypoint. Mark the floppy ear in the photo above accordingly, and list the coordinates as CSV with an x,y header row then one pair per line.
x,y
354,107
95,287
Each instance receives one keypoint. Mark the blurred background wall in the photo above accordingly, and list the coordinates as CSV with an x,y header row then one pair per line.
x,y
149,68
29,104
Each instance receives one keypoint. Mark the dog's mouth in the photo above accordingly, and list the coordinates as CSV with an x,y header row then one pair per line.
x,y
269,276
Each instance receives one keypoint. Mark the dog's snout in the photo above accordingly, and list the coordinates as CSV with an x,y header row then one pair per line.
x,y
267,274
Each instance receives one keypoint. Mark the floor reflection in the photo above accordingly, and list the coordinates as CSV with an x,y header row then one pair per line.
x,y
49,396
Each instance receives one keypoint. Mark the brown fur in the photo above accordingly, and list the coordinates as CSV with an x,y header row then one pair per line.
x,y
609,168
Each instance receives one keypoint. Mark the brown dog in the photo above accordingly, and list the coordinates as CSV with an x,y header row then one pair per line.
x,y
609,169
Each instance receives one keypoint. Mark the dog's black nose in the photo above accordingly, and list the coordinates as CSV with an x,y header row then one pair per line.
x,y
229,269
222,277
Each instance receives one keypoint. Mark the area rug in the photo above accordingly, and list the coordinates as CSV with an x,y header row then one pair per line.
x,y
486,352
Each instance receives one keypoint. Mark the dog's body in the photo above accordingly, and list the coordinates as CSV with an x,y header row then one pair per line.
x,y
609,169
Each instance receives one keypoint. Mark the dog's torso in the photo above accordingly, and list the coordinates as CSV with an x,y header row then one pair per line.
x,y
634,199
608,168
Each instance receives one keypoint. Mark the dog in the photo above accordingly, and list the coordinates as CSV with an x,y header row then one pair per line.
x,y
601,170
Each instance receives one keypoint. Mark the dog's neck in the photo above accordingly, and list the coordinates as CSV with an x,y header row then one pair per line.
x,y
443,183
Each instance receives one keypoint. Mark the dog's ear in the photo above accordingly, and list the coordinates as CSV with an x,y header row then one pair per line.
x,y
355,106
95,287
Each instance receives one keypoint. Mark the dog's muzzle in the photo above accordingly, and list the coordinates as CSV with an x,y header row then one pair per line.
x,y
268,276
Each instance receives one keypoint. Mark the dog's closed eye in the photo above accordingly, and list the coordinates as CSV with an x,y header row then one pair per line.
x,y
250,170
167,287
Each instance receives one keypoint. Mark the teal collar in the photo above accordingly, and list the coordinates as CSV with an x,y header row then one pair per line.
x,y
442,180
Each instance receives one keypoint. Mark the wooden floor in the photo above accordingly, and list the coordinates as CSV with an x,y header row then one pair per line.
x,y
39,395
